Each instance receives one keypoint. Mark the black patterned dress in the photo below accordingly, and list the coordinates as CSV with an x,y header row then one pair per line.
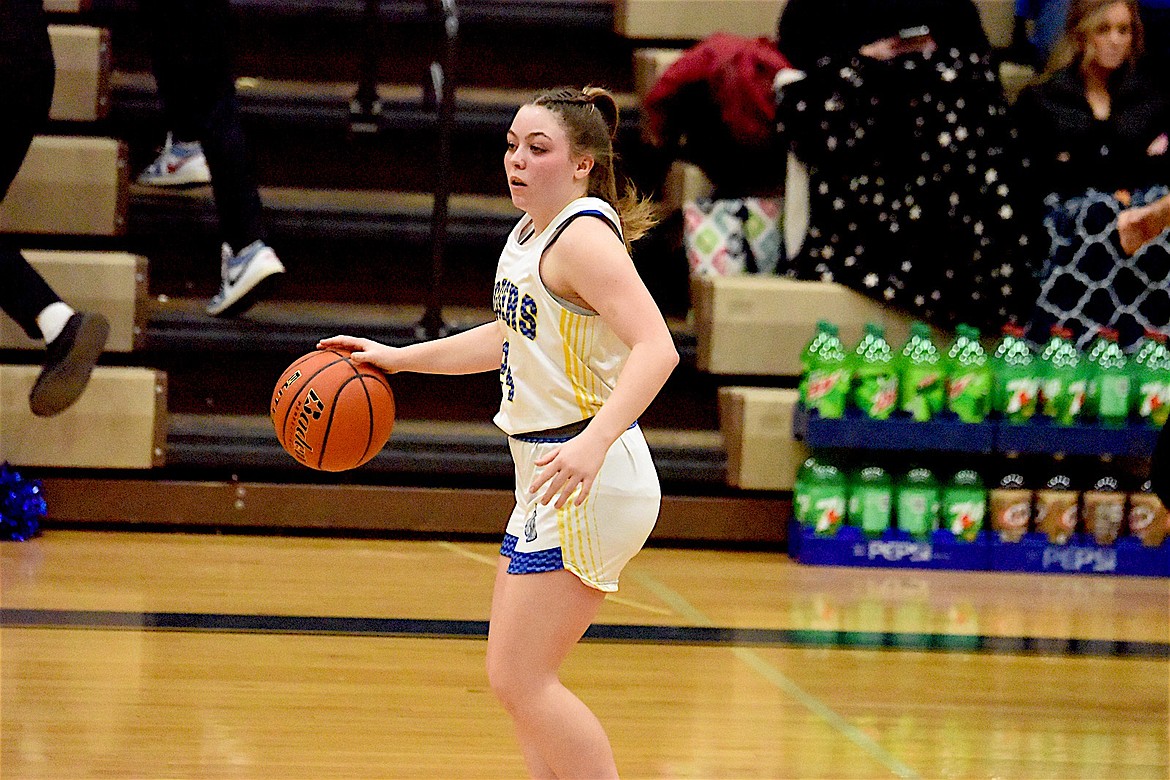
x,y
914,185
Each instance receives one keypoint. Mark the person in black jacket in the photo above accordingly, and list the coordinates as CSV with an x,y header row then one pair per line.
x,y
900,120
1096,131
74,339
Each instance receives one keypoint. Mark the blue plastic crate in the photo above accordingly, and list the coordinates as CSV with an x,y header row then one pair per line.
x,y
945,433
1040,435
895,549
1082,555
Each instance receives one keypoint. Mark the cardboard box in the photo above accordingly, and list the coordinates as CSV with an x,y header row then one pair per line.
x,y
69,185
696,19
67,6
113,283
758,325
756,423
81,92
120,421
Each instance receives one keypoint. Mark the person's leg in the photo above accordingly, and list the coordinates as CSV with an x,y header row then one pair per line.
x,y
536,619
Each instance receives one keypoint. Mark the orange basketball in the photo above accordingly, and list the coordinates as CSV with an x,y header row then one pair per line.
x,y
331,413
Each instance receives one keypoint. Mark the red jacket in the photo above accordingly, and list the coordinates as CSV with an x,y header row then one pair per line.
x,y
738,74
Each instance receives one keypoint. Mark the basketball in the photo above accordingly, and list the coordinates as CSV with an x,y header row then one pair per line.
x,y
330,413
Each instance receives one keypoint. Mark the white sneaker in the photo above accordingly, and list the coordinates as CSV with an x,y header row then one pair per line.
x,y
177,164
244,276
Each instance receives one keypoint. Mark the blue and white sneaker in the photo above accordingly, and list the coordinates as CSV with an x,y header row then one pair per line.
x,y
178,164
244,276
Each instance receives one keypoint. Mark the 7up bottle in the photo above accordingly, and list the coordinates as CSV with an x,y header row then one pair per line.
x,y
1063,378
1109,382
825,381
1015,378
824,503
968,376
875,379
964,504
1150,369
922,385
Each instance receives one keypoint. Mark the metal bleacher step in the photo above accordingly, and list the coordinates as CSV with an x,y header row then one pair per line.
x,y
422,452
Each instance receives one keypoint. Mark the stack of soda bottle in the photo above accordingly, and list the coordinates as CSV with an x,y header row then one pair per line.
x,y
1057,503
1059,383
825,497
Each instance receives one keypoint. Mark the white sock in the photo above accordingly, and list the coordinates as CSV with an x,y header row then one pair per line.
x,y
52,319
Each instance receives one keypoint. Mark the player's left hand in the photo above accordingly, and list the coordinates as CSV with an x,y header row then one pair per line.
x,y
571,467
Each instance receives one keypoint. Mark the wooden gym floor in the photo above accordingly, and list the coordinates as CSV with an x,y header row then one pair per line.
x,y
137,655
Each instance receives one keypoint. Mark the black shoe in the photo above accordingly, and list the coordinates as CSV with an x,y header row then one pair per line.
x,y
68,363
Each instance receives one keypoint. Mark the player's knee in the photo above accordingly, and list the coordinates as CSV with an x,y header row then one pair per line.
x,y
513,686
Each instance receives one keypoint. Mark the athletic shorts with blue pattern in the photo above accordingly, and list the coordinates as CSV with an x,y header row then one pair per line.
x,y
596,539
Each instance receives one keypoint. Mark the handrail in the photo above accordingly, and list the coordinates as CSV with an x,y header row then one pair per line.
x,y
365,117
444,90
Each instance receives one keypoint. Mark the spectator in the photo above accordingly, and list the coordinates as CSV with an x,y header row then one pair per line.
x,y
1096,131
901,123
74,339
192,65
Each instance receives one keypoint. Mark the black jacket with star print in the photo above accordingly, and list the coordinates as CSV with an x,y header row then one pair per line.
x,y
1071,151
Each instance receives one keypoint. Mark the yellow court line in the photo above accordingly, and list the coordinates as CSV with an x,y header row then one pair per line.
x,y
781,681
491,561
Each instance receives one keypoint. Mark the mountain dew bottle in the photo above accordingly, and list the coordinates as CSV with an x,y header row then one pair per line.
x,y
1150,372
968,376
918,503
1016,381
1064,380
922,385
1108,394
875,378
825,376
870,501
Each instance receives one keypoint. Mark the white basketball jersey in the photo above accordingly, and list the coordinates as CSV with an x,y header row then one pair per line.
x,y
560,361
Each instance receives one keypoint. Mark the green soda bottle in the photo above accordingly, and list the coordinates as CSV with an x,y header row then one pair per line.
x,y
923,376
1150,372
1064,380
875,378
870,501
964,504
968,376
827,493
810,349
1016,378
918,503
800,497
825,385
1108,395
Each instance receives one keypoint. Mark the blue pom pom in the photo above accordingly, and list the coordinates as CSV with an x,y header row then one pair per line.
x,y
21,506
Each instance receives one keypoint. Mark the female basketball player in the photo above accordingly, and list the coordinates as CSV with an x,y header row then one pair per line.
x,y
582,350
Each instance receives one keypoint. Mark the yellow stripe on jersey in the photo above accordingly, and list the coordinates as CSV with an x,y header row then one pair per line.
x,y
577,336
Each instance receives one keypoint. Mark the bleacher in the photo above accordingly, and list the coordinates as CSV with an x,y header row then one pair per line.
x,y
174,430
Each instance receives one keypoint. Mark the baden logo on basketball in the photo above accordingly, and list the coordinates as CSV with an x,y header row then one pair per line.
x,y
310,412
280,392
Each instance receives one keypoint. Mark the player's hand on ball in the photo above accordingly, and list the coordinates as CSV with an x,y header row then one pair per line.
x,y
571,467
363,351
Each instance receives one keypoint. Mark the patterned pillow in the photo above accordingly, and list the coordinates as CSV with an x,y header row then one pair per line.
x,y
731,236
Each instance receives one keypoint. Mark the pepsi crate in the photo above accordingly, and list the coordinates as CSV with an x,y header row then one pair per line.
x,y
1039,435
894,549
944,433
1081,555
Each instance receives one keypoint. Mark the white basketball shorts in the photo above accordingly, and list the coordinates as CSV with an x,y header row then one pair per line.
x,y
596,539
